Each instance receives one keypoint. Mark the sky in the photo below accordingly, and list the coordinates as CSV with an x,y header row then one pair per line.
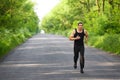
x,y
42,7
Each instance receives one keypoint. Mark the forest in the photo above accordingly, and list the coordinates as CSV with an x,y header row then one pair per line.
x,y
101,18
18,22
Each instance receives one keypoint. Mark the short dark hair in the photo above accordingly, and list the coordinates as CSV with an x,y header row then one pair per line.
x,y
80,23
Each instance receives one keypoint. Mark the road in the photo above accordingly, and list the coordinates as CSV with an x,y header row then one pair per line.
x,y
50,57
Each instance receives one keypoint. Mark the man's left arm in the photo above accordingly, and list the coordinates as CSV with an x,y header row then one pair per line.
x,y
86,36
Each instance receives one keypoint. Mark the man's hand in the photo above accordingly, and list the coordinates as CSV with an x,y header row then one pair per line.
x,y
78,37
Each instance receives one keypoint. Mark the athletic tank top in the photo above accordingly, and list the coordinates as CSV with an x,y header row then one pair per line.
x,y
79,42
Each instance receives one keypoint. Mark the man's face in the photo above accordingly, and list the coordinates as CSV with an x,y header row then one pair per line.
x,y
80,26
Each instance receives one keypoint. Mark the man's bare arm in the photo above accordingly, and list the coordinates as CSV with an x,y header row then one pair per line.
x,y
86,36
72,38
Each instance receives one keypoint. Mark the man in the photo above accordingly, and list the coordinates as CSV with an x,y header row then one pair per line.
x,y
78,37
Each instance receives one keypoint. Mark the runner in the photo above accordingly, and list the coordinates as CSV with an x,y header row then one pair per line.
x,y
78,37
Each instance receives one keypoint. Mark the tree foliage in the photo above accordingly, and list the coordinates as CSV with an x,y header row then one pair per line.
x,y
18,21
97,15
100,17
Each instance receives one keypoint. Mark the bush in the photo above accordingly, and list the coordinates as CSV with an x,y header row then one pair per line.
x,y
10,39
107,42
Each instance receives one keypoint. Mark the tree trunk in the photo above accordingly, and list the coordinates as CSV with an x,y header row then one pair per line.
x,y
103,5
97,3
88,5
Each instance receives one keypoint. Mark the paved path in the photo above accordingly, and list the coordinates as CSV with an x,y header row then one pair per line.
x,y
50,57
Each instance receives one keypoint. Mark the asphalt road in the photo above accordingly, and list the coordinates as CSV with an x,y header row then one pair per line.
x,y
50,57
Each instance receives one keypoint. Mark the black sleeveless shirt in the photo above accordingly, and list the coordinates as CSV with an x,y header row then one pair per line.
x,y
79,42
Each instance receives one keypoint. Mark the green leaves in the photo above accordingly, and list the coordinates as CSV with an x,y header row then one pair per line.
x,y
107,42
100,17
18,22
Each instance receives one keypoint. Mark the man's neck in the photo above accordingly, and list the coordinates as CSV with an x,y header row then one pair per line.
x,y
79,29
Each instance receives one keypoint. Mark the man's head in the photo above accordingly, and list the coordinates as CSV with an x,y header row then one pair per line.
x,y
80,25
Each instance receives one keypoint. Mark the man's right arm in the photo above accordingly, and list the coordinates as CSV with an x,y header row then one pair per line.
x,y
72,38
